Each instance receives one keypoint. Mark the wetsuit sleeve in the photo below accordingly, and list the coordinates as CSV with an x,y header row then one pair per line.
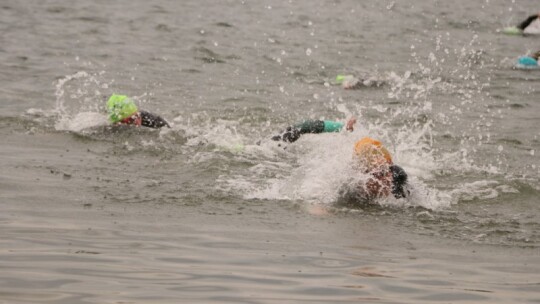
x,y
152,120
293,133
527,22
289,135
332,126
310,126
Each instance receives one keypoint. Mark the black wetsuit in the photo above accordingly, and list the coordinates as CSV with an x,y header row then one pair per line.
x,y
399,179
354,195
152,120
523,25
293,133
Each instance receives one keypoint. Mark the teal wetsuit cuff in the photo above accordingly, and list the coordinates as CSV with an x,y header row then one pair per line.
x,y
332,126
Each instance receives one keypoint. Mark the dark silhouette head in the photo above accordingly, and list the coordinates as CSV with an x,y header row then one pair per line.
x,y
399,180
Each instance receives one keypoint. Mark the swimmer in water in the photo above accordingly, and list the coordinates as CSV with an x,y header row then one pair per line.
x,y
385,178
122,110
522,27
529,61
372,159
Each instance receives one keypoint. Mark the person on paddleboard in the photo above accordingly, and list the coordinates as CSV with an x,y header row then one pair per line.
x,y
122,110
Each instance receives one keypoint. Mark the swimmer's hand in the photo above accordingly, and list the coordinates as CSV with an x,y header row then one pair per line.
x,y
350,124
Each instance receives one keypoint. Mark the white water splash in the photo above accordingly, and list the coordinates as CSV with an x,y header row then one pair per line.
x,y
325,165
79,101
82,121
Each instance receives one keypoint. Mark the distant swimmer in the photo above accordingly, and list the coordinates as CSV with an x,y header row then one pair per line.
x,y
531,25
529,61
371,158
293,133
122,110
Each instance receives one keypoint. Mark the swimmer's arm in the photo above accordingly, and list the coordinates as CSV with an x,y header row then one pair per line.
x,y
332,126
293,133
325,126
527,22
310,126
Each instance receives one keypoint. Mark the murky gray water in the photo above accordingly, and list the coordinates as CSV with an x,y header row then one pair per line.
x,y
211,211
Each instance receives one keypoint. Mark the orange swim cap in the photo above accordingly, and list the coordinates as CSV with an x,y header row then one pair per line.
x,y
371,153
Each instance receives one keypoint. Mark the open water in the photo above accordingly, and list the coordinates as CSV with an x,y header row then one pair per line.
x,y
211,210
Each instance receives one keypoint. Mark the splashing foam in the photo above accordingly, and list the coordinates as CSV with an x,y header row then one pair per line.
x,y
79,104
325,166
81,121
324,160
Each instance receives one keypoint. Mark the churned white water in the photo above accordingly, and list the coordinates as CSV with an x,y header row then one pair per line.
x,y
211,209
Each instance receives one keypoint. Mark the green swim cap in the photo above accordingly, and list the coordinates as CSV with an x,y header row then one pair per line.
x,y
340,78
120,107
